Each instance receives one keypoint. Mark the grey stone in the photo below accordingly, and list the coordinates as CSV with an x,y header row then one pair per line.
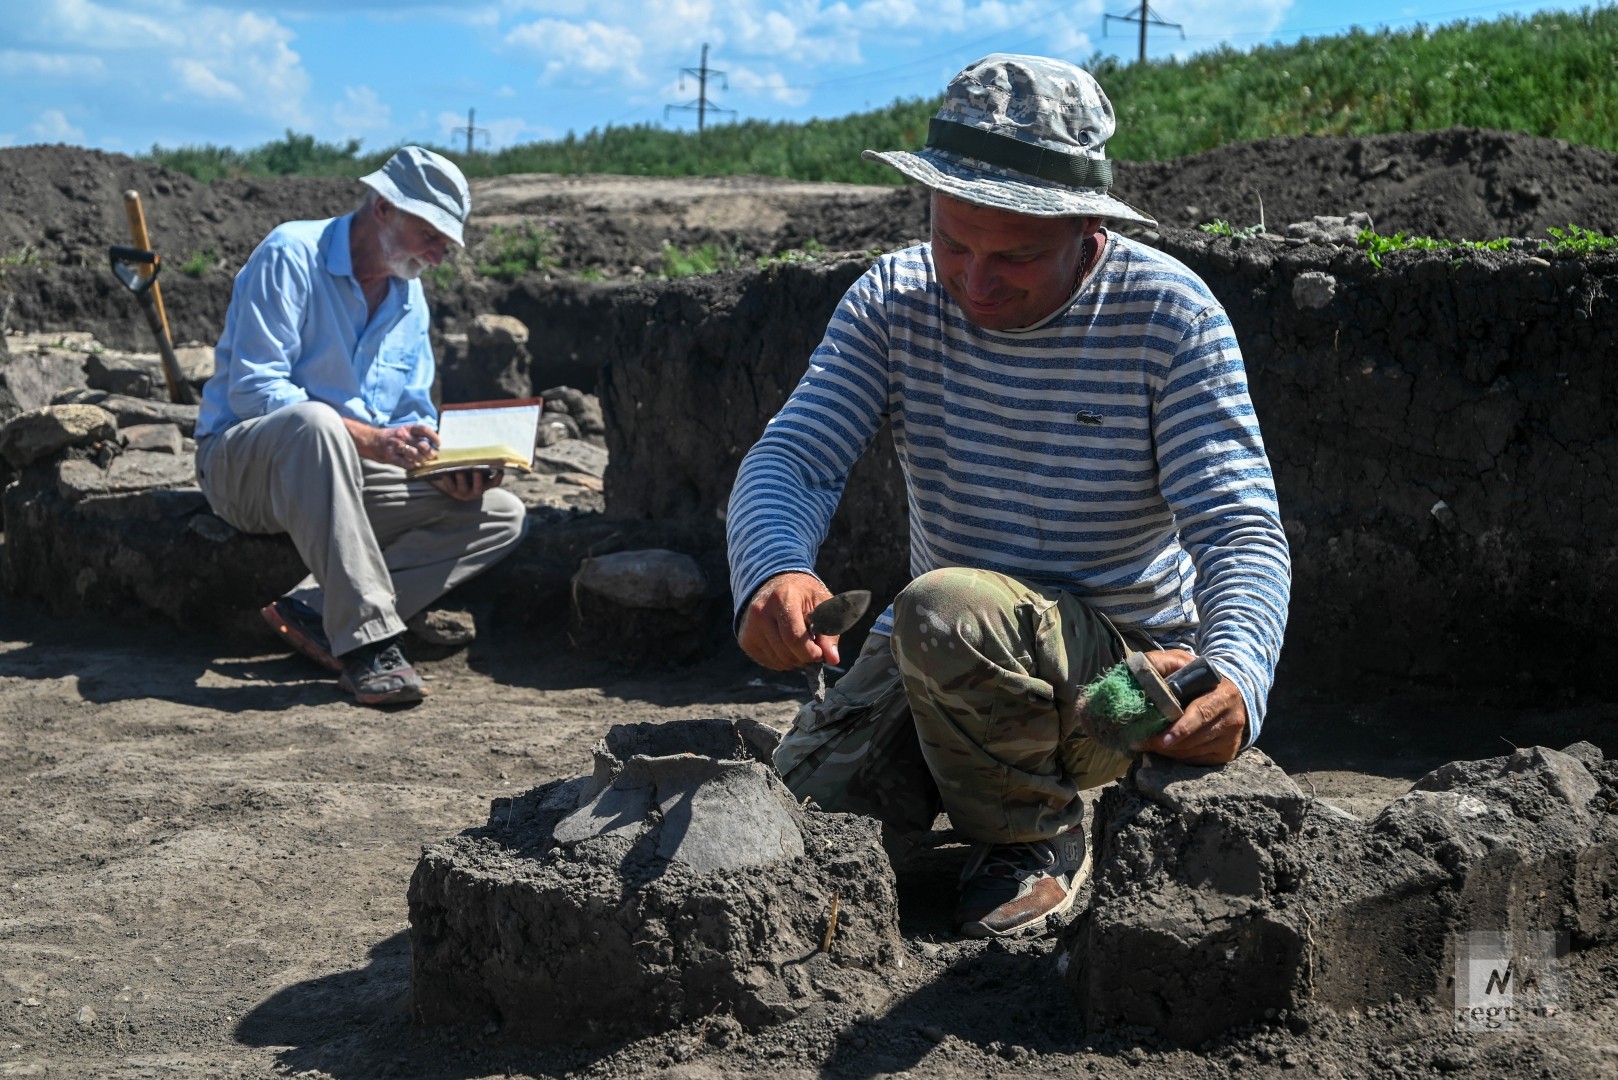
x,y
571,456
140,470
655,578
494,363
1313,290
555,427
132,412
157,438
44,432
1329,229
443,627
35,373
123,373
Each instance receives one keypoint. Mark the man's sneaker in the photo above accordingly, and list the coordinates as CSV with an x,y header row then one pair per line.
x,y
379,674
300,627
1011,889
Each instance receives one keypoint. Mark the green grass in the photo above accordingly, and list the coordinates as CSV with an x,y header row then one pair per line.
x,y
199,263
1574,240
1551,74
508,254
702,259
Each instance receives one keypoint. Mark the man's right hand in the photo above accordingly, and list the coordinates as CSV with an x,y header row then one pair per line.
x,y
775,626
406,446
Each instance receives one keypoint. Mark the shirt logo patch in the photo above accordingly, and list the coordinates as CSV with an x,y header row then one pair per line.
x,y
1090,418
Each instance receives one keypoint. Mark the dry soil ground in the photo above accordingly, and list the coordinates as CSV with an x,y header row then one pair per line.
x,y
206,854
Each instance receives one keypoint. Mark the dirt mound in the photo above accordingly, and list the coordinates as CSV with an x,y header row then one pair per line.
x,y
1459,183
66,202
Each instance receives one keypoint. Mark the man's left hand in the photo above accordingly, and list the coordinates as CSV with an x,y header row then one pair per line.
x,y
1214,726
468,484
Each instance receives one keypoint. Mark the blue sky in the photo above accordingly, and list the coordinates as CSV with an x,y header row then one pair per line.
x,y
123,76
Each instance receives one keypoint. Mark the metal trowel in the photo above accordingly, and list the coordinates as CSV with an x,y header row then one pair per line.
x,y
833,618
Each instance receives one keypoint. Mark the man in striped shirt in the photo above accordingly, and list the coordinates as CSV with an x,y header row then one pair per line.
x,y
1085,478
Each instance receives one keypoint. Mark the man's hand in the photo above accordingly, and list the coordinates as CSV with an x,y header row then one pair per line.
x,y
467,484
406,446
1214,726
775,626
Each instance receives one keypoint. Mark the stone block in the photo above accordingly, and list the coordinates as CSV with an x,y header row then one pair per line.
x,y
647,605
157,438
45,432
571,456
679,880
132,412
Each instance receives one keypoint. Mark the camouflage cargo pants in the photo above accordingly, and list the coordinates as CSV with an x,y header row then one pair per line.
x,y
969,707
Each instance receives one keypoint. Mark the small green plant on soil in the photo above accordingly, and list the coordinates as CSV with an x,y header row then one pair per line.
x,y
1376,245
592,273
24,256
1221,227
1578,241
508,254
199,263
810,251
702,259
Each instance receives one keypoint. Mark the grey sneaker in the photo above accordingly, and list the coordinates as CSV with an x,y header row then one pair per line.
x,y
379,674
1009,889
301,627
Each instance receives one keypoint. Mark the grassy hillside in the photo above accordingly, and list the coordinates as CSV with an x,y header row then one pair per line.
x,y
1552,75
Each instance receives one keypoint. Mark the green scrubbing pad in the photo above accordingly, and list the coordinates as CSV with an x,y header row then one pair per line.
x,y
1116,712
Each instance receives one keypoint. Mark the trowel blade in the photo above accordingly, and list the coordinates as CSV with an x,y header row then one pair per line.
x,y
835,617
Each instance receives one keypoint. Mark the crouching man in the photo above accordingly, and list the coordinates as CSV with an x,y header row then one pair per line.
x,y
1084,471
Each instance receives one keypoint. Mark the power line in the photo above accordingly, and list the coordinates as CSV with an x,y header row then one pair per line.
x,y
1145,17
701,106
471,130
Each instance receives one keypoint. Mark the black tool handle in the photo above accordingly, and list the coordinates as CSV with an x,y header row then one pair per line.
x,y
1192,681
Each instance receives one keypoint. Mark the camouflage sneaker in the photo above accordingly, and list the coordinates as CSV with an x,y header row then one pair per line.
x,y
379,674
1009,889
300,626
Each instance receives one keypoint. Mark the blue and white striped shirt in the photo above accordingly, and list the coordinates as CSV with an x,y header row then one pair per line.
x,y
1110,450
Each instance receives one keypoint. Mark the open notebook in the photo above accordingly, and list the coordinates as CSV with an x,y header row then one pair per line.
x,y
485,434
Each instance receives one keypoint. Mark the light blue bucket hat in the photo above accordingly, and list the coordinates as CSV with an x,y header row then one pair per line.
x,y
426,184
1026,134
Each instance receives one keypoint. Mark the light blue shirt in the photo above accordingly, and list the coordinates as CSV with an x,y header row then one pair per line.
x,y
299,329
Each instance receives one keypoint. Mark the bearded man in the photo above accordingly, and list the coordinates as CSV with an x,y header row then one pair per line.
x,y
321,400
1085,478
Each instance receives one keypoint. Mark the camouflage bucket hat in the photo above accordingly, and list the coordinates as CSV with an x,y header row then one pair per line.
x,y
1021,133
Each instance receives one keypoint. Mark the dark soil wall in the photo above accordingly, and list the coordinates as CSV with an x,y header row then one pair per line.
x,y
1442,433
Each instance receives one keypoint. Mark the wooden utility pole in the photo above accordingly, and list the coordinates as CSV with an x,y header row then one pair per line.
x,y
472,130
1143,15
701,106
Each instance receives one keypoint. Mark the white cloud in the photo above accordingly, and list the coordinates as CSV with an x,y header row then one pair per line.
x,y
53,126
198,78
771,85
567,49
505,92
49,65
361,110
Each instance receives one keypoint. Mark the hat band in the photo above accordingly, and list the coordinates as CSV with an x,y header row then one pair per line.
x,y
1029,158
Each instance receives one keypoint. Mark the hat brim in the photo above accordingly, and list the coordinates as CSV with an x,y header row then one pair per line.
x,y
988,185
436,216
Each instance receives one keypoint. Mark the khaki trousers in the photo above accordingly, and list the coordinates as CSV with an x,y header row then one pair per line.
x,y
379,546
970,706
